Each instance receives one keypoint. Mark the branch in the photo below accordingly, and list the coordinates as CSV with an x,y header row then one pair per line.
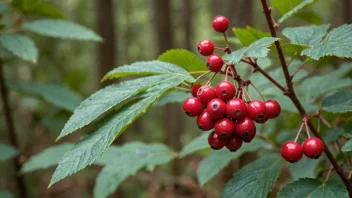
x,y
11,130
292,95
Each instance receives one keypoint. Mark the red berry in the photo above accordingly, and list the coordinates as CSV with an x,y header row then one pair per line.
x,y
225,90
205,47
204,121
256,110
220,23
292,151
206,93
234,144
245,128
263,120
215,63
236,108
195,88
273,108
216,108
224,127
313,147
192,106
216,142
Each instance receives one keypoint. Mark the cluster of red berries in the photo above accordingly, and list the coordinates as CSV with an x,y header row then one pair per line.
x,y
293,152
230,116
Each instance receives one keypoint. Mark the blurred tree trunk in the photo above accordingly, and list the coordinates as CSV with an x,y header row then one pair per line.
x,y
187,21
347,6
106,55
172,115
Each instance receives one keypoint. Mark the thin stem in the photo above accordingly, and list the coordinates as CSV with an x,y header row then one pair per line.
x,y
318,129
227,72
292,95
211,78
299,68
250,99
186,84
11,130
307,130
324,121
198,72
199,77
349,175
183,89
328,175
258,91
225,37
220,48
292,58
299,132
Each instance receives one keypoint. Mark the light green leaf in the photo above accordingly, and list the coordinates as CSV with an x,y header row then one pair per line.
x,y
127,161
20,46
347,146
339,102
46,10
57,95
7,152
91,147
249,35
199,143
289,8
172,97
258,49
337,43
47,158
305,168
105,99
217,160
4,7
309,16
61,29
255,179
184,59
312,188
145,68
6,194
306,36
332,134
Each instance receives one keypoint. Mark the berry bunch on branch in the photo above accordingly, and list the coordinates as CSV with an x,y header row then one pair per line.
x,y
228,108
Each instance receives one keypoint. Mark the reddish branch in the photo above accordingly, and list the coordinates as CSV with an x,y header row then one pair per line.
x,y
292,95
11,130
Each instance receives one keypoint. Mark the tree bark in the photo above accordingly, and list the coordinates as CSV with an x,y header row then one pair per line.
x,y
187,21
106,55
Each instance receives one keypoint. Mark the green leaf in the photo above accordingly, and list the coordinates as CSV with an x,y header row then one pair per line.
x,y
61,29
91,147
332,134
20,46
105,99
347,146
337,43
249,35
6,194
184,59
4,7
305,168
289,8
47,158
312,188
258,49
172,97
57,95
25,5
46,10
217,160
255,179
127,161
199,143
7,152
145,68
309,16
306,36
339,102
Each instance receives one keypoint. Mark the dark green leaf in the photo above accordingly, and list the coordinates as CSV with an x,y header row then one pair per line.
x,y
249,35
289,8
199,143
184,59
258,49
145,68
20,46
306,36
332,134
91,147
46,10
217,160
339,102
7,152
172,97
305,168
5,194
312,188
61,29
255,179
347,146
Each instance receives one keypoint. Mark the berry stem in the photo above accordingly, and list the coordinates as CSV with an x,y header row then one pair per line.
x,y
299,68
199,77
307,130
227,42
299,132
328,175
349,175
199,72
220,48
211,78
292,95
258,91
244,89
183,89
